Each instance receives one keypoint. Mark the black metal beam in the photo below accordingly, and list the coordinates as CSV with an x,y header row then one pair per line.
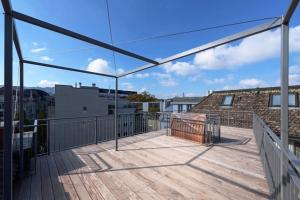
x,y
16,41
290,11
78,36
249,32
21,118
8,117
8,10
116,116
6,6
66,68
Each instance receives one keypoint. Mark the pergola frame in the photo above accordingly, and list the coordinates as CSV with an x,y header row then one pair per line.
x,y
11,37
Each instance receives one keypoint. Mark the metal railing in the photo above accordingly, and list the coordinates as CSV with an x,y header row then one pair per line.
x,y
270,151
212,129
241,119
67,133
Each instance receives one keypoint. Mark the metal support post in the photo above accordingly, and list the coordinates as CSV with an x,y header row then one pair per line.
x,y
21,118
96,130
116,114
48,136
8,100
284,73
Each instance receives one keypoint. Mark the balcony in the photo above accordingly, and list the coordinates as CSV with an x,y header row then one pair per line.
x,y
152,165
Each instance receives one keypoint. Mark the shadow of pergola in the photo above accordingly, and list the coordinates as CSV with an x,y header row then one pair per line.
x,y
90,159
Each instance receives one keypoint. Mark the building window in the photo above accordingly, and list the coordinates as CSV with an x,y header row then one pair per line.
x,y
84,108
227,100
111,109
275,100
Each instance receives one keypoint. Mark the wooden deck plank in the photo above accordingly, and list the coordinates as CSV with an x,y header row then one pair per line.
x,y
99,184
47,192
210,170
76,181
86,179
25,189
36,185
150,166
158,175
65,179
58,190
119,189
179,174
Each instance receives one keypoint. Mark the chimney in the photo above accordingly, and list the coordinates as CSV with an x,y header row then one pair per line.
x,y
94,84
79,84
76,85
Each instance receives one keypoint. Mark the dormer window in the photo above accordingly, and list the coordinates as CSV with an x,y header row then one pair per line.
x,y
275,100
227,100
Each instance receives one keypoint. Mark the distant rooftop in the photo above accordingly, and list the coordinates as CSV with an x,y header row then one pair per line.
x,y
256,89
103,90
187,99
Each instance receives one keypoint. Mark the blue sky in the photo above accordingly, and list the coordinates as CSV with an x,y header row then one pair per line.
x,y
253,62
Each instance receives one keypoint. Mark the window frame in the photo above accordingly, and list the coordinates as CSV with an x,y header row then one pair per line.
x,y
231,102
277,106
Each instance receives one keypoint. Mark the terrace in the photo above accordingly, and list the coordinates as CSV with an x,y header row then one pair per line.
x,y
148,164
152,166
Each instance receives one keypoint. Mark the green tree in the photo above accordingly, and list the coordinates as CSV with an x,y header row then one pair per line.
x,y
142,97
26,120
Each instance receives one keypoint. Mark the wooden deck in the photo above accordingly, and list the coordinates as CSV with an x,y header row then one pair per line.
x,y
152,166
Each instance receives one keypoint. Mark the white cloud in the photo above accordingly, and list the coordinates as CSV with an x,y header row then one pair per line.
x,y
120,71
142,75
181,68
294,76
143,89
100,65
47,83
127,86
35,44
196,77
247,83
90,59
294,69
46,58
219,80
251,83
165,79
38,50
168,82
253,49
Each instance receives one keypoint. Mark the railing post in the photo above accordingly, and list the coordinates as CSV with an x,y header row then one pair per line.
x,y
228,118
48,136
96,130
116,114
8,102
284,106
21,118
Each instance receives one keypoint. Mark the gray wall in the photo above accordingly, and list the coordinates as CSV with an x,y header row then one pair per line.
x,y
70,102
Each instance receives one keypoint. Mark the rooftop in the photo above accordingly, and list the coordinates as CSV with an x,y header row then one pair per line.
x,y
255,89
153,166
187,99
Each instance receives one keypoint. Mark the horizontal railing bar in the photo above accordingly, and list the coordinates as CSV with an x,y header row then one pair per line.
x,y
93,116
